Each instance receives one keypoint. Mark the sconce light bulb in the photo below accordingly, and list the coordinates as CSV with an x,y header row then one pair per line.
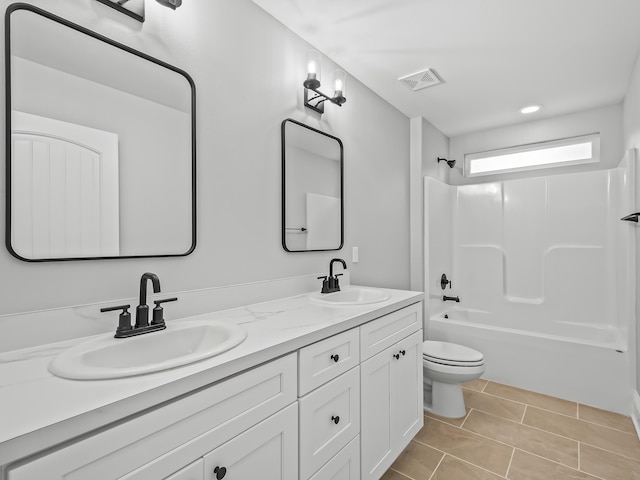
x,y
313,69
340,83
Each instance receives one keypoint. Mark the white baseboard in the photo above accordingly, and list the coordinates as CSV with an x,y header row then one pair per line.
x,y
635,414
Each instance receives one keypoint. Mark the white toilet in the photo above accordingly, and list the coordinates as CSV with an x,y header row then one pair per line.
x,y
446,367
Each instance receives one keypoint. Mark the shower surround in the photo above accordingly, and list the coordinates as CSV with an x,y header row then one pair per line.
x,y
544,269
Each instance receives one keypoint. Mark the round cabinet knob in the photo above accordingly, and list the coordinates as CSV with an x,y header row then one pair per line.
x,y
396,356
403,352
220,472
335,358
335,419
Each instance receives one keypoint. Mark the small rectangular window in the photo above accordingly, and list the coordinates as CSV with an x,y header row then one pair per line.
x,y
555,153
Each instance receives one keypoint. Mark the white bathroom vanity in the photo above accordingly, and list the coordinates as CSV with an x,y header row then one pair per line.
x,y
315,391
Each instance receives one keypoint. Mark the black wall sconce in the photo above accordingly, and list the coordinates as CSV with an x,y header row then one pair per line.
x,y
172,4
135,8
314,98
451,163
131,8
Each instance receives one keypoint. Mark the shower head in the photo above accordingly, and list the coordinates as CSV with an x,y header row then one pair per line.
x,y
451,163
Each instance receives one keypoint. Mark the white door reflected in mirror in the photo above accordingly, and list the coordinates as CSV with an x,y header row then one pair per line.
x,y
64,189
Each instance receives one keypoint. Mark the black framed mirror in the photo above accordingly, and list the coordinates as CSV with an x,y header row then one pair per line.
x,y
100,150
312,189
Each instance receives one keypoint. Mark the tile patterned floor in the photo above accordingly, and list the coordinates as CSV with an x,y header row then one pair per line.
x,y
515,434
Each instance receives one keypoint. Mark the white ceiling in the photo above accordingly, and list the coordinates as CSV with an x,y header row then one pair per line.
x,y
494,56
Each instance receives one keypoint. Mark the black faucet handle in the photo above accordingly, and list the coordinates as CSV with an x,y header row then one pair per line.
x,y
336,282
325,284
124,308
158,313
166,300
124,322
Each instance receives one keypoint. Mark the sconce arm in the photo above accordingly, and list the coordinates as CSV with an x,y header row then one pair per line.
x,y
325,97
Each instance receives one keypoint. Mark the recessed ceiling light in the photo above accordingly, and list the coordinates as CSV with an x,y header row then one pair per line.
x,y
530,109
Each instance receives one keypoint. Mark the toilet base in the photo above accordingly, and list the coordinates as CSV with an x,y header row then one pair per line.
x,y
446,400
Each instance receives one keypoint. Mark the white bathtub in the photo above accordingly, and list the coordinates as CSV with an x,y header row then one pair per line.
x,y
577,362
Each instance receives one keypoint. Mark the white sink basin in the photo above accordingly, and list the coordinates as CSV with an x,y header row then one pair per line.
x,y
180,344
351,296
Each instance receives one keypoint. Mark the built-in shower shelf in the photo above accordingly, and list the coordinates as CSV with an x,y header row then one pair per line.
x,y
633,217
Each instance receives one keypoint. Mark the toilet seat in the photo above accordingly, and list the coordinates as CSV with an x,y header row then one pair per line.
x,y
451,354
453,371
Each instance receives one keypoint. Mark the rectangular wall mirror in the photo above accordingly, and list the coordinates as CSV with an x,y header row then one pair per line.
x,y
100,154
312,189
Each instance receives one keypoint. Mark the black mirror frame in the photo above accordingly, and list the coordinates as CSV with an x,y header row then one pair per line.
x,y
7,42
283,146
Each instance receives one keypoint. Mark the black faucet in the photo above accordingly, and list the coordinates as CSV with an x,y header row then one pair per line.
x,y
331,284
452,299
142,311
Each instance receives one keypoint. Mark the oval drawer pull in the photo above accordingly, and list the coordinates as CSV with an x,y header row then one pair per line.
x,y
335,358
220,472
335,419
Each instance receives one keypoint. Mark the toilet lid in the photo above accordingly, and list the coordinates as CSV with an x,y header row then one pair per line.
x,y
450,353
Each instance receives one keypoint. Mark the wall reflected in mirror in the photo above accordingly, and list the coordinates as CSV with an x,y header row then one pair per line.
x,y
101,157
312,189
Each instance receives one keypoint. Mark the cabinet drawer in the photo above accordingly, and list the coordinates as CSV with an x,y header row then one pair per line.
x,y
158,443
344,466
325,360
383,332
329,420
268,451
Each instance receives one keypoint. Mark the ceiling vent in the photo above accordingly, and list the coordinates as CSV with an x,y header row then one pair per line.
x,y
420,80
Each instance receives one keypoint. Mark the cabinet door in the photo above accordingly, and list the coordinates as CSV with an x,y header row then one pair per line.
x,y
379,399
194,471
268,451
391,390
409,414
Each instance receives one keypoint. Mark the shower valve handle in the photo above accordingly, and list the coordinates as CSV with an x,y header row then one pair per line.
x,y
444,281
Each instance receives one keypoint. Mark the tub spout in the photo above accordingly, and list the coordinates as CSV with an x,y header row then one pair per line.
x,y
450,299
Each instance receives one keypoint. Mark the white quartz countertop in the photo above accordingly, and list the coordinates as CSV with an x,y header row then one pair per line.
x,y
39,410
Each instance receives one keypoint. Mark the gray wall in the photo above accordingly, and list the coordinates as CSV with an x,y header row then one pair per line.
x,y
248,70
